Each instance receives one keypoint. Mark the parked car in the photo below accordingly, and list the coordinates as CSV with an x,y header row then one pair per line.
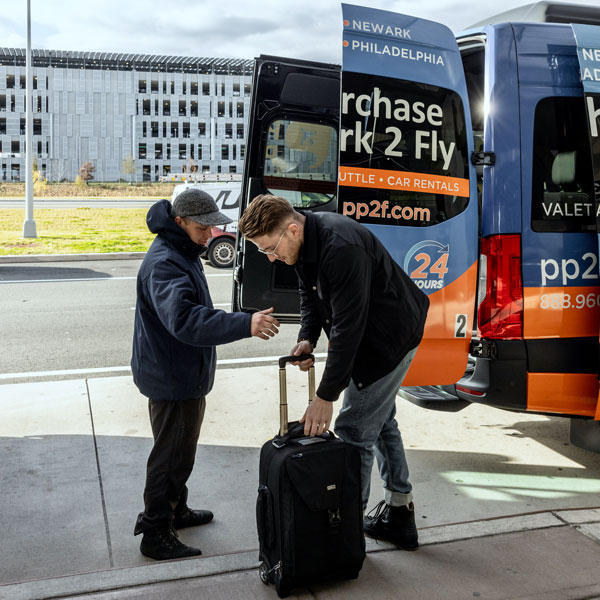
x,y
220,248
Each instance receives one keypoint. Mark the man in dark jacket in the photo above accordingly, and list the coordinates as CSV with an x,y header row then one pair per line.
x,y
373,315
176,330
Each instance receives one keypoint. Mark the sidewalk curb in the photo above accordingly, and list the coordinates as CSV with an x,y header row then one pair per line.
x,y
30,258
115,579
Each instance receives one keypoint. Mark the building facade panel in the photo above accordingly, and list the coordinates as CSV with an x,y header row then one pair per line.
x,y
172,114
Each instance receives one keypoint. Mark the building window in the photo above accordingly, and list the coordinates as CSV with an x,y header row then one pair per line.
x,y
182,109
22,126
182,152
154,129
232,169
200,152
23,82
240,110
222,89
144,129
37,127
247,89
175,130
142,86
158,151
194,88
185,87
239,134
156,106
228,131
185,130
154,86
142,151
167,108
236,89
15,147
205,89
220,109
164,87
242,151
193,108
2,101
201,129
3,126
225,152
10,82
168,150
146,107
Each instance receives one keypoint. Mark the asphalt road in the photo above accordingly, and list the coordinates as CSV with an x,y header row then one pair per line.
x,y
65,320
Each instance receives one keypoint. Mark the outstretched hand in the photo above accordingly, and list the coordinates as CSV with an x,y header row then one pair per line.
x,y
263,325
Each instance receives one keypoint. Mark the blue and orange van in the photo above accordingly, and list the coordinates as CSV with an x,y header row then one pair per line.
x,y
472,158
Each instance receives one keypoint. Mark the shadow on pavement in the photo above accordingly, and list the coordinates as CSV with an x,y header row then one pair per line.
x,y
61,516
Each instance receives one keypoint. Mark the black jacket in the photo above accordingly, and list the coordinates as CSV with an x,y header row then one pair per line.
x,y
176,327
350,287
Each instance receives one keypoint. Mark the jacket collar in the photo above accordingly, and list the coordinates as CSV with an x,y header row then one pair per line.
x,y
310,247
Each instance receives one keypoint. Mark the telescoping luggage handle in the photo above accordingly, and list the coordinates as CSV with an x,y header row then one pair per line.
x,y
283,411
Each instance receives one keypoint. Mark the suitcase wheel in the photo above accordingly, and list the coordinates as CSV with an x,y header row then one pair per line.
x,y
263,571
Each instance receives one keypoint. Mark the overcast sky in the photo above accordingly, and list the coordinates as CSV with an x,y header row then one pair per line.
x,y
308,29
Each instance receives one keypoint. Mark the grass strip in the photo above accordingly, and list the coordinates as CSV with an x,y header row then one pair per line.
x,y
77,230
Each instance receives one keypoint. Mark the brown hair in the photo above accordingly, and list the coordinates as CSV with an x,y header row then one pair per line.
x,y
264,215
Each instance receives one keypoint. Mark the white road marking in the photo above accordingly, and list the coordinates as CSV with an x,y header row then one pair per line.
x,y
92,371
92,279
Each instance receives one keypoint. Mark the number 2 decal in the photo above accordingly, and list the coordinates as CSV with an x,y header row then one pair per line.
x,y
460,326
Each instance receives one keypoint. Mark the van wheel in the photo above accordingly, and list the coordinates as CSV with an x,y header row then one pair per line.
x,y
221,252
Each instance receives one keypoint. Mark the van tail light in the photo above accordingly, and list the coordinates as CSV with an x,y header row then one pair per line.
x,y
501,310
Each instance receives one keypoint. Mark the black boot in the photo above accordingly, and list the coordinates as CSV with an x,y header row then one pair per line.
x,y
162,542
394,524
192,518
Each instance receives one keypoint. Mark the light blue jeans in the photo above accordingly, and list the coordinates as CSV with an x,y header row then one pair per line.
x,y
367,421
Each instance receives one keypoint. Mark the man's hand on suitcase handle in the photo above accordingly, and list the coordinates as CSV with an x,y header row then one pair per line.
x,y
317,417
264,326
303,347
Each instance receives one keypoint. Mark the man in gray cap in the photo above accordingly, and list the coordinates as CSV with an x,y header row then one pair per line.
x,y
176,330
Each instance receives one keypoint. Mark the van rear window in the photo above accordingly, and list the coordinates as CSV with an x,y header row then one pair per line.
x,y
562,182
403,152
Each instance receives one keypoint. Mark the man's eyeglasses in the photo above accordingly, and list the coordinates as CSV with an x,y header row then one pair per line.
x,y
274,251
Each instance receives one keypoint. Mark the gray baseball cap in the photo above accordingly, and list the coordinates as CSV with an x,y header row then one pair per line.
x,y
198,206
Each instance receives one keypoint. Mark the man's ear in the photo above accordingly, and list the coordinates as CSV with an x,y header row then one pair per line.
x,y
178,220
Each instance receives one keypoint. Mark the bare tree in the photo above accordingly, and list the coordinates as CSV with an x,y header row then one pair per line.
x,y
86,172
128,167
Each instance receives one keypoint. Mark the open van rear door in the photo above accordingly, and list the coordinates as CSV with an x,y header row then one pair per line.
x,y
405,170
405,144
292,151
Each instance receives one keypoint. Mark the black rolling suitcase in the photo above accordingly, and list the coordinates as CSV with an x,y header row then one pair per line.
x,y
308,511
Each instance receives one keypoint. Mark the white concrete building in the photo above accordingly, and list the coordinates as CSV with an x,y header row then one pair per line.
x,y
170,113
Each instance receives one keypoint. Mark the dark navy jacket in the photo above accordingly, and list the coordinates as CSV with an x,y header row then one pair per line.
x,y
176,327
350,286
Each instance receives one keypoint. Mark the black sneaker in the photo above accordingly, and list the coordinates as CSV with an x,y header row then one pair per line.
x,y
394,524
192,518
163,544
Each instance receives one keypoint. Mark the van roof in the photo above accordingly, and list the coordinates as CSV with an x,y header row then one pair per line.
x,y
546,12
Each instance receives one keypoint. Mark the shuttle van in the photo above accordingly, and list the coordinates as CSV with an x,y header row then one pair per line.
x,y
472,158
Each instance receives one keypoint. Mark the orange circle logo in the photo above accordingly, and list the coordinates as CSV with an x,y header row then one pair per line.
x,y
346,23
345,44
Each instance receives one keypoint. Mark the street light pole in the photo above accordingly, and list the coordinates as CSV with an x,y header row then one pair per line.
x,y
29,229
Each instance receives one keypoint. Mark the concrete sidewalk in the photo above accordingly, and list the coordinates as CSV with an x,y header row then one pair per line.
x,y
72,473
